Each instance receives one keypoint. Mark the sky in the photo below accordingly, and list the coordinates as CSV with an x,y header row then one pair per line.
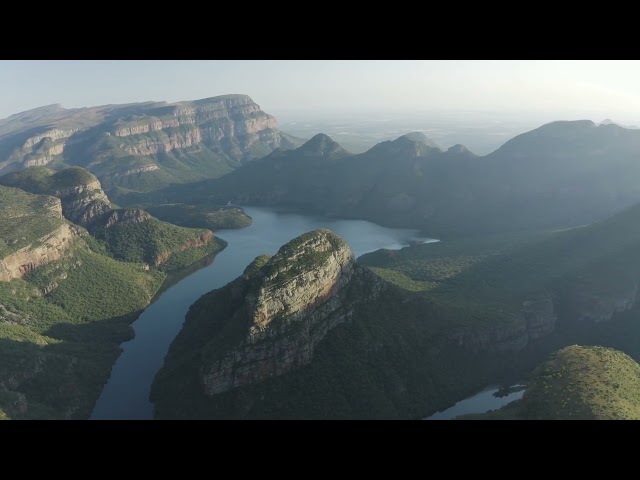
x,y
568,89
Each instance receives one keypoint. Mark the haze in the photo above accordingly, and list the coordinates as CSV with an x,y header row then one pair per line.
x,y
542,89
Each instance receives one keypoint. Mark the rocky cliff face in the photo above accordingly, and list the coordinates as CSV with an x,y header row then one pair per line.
x,y
123,216
202,240
283,307
83,203
234,117
537,318
289,305
46,249
233,129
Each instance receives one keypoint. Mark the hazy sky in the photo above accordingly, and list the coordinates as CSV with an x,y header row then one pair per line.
x,y
573,89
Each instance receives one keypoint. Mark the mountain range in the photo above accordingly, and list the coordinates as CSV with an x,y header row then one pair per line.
x,y
561,174
539,251
142,146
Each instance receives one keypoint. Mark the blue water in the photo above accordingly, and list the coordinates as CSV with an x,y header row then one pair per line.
x,y
479,403
126,395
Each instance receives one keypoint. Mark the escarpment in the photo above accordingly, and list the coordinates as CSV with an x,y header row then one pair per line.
x,y
269,322
287,306
143,146
129,234
44,250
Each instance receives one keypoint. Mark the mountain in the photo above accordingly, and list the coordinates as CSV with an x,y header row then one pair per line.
x,y
74,273
560,175
421,138
65,307
579,383
388,183
307,333
143,146
474,309
130,235
608,121
212,217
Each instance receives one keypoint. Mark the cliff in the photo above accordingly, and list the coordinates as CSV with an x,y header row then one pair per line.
x,y
46,249
128,234
32,232
143,146
80,192
266,324
288,305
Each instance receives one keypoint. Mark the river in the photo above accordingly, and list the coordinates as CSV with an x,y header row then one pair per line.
x,y
126,394
481,402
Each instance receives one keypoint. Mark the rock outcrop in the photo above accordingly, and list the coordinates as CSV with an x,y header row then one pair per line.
x,y
47,249
290,303
220,132
202,240
128,215
83,203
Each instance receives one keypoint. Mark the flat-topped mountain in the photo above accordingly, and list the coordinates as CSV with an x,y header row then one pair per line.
x,y
143,146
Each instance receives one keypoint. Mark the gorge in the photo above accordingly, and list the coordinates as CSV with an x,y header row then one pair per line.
x,y
126,395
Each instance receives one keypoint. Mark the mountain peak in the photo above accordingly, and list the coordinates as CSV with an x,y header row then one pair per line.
x,y
39,111
421,138
403,146
459,149
566,126
321,145
320,256
287,303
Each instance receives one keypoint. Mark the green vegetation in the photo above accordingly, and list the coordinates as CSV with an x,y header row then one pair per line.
x,y
585,383
25,218
184,258
450,319
579,383
383,363
124,147
280,265
61,324
151,241
45,181
56,350
212,217
134,238
498,273
560,175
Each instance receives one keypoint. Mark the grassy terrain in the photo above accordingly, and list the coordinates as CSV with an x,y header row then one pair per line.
x,y
578,383
148,241
592,383
62,324
43,180
25,219
56,350
398,356
212,217
384,363
500,272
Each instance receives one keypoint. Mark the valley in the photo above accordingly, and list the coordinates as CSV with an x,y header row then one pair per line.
x,y
190,260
